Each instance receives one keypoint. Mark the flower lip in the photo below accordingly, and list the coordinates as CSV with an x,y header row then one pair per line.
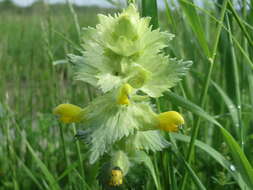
x,y
69,113
170,121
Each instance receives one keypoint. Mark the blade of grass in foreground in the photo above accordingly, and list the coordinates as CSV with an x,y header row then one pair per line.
x,y
79,153
241,163
195,24
230,105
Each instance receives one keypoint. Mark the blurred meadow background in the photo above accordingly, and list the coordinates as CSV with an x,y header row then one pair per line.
x,y
212,151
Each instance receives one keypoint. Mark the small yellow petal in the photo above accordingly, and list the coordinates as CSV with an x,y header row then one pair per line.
x,y
169,121
69,113
123,94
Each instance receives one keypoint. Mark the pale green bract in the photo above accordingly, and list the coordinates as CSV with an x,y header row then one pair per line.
x,y
123,49
111,122
150,140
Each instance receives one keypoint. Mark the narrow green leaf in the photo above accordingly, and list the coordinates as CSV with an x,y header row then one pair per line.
x,y
194,20
149,8
230,105
250,80
240,23
180,101
169,14
244,53
242,164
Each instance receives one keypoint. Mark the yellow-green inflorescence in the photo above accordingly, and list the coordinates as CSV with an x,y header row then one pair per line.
x,y
123,57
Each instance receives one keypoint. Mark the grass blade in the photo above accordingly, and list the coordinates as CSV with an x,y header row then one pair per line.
x,y
180,101
149,8
169,14
230,105
241,162
240,23
194,21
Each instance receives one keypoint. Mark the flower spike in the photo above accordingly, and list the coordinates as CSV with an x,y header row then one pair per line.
x,y
124,58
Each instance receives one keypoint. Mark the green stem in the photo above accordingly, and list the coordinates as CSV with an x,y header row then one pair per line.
x,y
195,129
173,182
63,144
64,150
79,153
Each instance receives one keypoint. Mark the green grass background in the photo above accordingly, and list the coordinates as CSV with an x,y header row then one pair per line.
x,y
213,150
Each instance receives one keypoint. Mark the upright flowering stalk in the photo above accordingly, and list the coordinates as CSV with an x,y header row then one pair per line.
x,y
123,57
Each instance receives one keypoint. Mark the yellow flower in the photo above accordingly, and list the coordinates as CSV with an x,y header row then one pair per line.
x,y
124,93
170,121
69,113
116,177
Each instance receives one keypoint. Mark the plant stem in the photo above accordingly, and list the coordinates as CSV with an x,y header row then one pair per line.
x,y
64,151
79,153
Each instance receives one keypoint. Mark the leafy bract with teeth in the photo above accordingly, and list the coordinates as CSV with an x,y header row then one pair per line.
x,y
150,140
110,122
166,72
123,49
